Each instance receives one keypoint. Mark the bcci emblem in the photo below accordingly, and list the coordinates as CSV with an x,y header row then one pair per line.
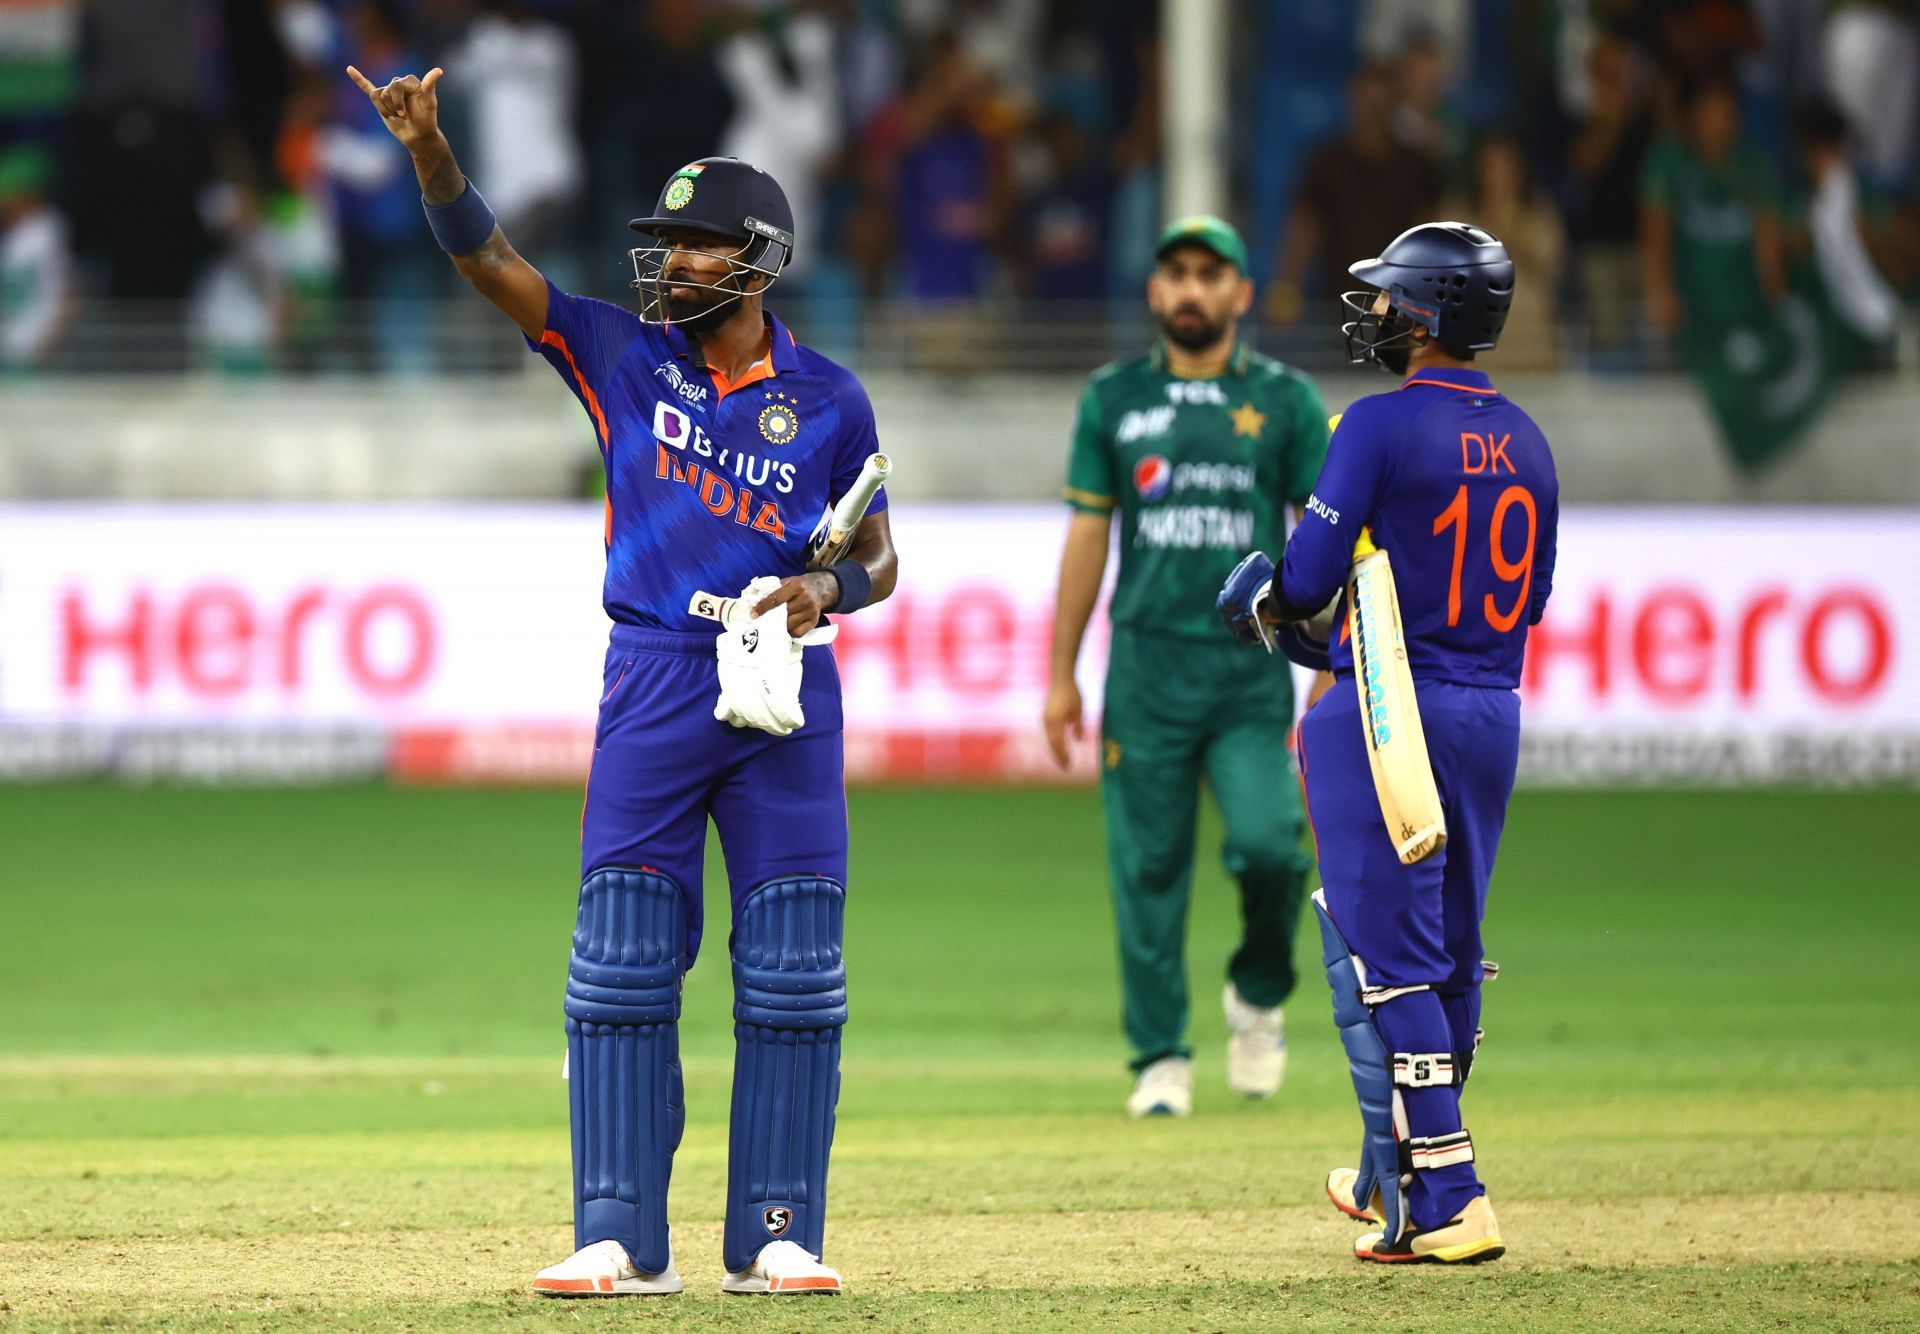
x,y
776,1219
680,188
778,421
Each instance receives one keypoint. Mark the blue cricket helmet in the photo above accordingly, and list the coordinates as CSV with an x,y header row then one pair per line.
x,y
1451,278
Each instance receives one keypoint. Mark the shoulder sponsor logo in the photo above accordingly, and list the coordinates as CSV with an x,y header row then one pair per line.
x,y
690,390
1144,424
1315,505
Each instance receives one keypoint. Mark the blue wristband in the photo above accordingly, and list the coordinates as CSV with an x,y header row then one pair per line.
x,y
856,585
463,226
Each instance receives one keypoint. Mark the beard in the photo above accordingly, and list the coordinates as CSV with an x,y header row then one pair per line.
x,y
1394,356
1188,327
699,309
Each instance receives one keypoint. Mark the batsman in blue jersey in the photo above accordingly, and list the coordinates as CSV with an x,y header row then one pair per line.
x,y
724,440
1457,485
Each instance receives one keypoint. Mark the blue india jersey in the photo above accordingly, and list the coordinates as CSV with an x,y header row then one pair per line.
x,y
1458,487
710,484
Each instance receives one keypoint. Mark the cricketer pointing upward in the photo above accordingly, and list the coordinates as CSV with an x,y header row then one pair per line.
x,y
723,439
1457,485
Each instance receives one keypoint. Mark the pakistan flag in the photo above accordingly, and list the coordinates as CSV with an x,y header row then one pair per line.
x,y
1767,368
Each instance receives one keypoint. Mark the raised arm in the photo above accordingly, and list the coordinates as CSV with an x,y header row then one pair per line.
x,y
410,109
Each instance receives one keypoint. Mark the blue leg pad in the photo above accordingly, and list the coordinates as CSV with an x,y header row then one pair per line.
x,y
790,1000
623,1047
1372,1071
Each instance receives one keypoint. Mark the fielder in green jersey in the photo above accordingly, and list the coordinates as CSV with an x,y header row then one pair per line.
x,y
1200,447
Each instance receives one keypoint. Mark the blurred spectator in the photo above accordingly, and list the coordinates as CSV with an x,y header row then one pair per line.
x,y
143,144
1716,277
520,79
377,198
1873,71
39,65
1838,221
786,115
1002,38
237,311
1505,201
1710,233
36,269
656,100
1063,231
950,180
1357,193
1603,189
1422,119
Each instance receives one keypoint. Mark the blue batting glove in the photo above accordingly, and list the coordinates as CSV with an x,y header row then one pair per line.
x,y
1235,603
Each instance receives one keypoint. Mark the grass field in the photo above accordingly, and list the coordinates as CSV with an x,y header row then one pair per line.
x,y
278,1059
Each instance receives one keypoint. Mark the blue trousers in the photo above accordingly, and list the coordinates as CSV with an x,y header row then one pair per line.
x,y
662,767
1417,926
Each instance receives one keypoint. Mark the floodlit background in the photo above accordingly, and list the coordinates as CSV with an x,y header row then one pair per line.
x,y
299,638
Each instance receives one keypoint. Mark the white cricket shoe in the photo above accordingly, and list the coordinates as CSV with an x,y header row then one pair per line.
x,y
783,1267
1256,1046
1164,1088
603,1270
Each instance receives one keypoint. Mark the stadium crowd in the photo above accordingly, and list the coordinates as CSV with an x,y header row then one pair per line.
x,y
1654,166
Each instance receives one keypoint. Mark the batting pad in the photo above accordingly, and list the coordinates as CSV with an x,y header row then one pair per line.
x,y
623,1045
1370,1065
790,1000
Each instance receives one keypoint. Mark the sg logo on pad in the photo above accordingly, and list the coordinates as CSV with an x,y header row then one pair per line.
x,y
777,1219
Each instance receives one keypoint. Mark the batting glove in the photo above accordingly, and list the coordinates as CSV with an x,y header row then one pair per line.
x,y
1241,597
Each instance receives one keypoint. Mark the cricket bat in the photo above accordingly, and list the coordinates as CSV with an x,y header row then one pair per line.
x,y
1389,711
828,543
835,529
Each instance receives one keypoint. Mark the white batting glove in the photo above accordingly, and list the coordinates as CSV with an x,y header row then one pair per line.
x,y
760,666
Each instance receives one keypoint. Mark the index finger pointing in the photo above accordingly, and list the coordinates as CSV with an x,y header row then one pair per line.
x,y
360,80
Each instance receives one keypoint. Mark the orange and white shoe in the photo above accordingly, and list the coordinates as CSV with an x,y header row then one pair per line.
x,y
603,1270
1343,1184
783,1267
1471,1237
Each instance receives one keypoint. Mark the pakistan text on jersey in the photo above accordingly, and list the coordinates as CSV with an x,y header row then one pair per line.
x,y
1194,527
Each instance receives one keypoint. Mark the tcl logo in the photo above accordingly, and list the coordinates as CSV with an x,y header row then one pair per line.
x,y
1675,646
217,640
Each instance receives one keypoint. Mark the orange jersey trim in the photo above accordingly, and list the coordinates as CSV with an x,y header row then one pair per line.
x,y
760,370
554,340
1448,384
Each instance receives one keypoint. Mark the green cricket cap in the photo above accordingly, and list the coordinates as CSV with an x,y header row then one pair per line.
x,y
1203,229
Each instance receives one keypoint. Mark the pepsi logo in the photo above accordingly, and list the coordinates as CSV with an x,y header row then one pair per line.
x,y
1153,477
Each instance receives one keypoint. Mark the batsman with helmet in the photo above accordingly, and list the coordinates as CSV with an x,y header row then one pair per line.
x,y
1456,483
1200,448
723,439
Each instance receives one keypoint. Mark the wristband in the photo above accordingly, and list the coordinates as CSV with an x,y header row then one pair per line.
x,y
856,585
463,226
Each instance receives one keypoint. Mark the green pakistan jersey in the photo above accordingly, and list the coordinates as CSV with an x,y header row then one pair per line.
x,y
1201,471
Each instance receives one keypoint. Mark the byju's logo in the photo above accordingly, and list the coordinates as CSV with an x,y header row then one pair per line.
x,y
680,384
